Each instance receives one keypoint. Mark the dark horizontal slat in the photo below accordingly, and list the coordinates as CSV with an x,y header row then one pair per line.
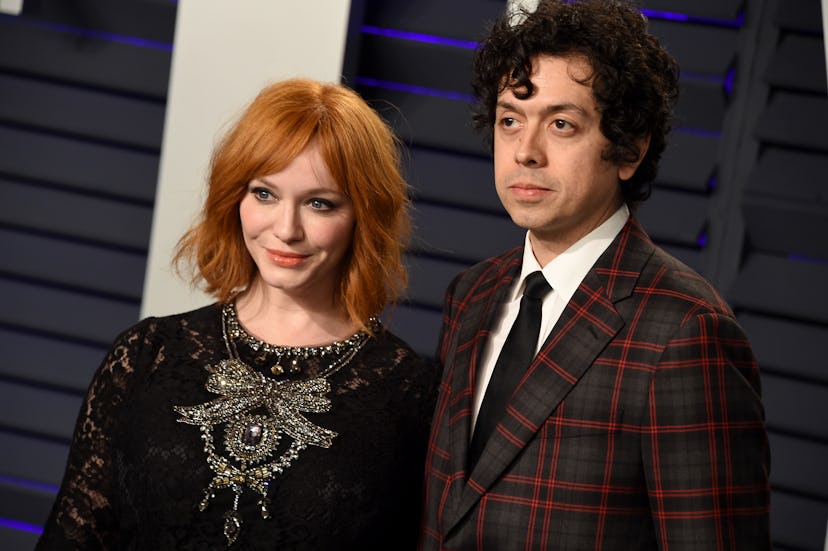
x,y
71,214
676,217
798,64
17,540
37,410
77,164
798,522
24,504
431,65
799,15
67,263
460,19
430,277
799,465
726,10
34,460
463,235
701,106
706,50
782,286
91,61
45,360
796,169
148,19
417,326
787,346
429,121
64,313
82,112
797,120
797,406
691,256
795,228
464,180
689,162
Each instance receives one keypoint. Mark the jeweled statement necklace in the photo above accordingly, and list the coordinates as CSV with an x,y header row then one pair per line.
x,y
257,411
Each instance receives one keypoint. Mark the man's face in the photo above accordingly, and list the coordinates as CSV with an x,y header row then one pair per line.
x,y
549,170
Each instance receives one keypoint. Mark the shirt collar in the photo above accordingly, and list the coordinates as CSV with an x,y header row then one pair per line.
x,y
566,271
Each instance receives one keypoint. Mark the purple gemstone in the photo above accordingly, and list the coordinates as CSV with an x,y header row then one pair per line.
x,y
252,434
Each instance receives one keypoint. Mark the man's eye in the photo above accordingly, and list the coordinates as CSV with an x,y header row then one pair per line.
x,y
507,122
561,124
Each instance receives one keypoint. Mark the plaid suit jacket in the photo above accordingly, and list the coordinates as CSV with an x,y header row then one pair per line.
x,y
639,425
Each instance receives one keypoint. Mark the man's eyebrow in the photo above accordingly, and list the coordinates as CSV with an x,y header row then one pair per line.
x,y
554,108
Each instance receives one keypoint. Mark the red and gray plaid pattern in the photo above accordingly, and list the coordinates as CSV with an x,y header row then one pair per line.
x,y
638,426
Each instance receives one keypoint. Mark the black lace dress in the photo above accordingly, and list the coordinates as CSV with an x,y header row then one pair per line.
x,y
136,475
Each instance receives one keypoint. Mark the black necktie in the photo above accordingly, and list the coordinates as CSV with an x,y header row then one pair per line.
x,y
515,357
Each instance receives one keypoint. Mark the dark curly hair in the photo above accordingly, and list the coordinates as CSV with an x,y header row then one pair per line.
x,y
634,80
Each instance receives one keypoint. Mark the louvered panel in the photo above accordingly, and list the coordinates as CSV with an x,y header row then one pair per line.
x,y
64,313
787,346
71,264
441,177
799,15
418,326
32,50
796,406
797,120
725,10
700,49
81,216
430,278
82,112
674,216
797,521
37,358
689,161
428,121
799,228
21,409
463,235
784,287
799,464
37,461
112,171
798,64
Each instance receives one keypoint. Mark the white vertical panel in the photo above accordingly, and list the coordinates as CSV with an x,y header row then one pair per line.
x,y
224,53
13,7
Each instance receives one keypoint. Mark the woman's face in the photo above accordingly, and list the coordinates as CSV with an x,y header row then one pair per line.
x,y
298,226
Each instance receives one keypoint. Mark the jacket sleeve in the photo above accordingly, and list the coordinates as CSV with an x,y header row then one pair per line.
x,y
704,441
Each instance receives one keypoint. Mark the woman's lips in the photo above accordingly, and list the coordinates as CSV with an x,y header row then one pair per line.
x,y
286,259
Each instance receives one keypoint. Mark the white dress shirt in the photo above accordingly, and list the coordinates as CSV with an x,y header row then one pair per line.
x,y
564,274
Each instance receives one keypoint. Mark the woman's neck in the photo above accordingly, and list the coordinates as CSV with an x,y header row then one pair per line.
x,y
276,318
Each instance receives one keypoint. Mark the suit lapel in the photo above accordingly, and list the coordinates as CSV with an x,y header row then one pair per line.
x,y
588,323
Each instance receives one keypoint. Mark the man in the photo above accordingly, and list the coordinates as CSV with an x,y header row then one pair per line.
x,y
636,420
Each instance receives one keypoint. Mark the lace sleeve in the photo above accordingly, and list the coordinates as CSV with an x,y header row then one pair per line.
x,y
84,513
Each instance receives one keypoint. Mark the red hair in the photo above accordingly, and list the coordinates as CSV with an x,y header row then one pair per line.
x,y
362,155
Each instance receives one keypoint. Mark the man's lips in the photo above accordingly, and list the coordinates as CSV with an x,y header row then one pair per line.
x,y
528,191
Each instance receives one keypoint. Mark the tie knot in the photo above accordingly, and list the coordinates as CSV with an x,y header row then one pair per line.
x,y
536,286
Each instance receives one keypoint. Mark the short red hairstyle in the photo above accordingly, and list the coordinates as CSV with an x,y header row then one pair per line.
x,y
363,156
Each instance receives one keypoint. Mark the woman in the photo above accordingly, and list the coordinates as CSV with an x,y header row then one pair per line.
x,y
284,416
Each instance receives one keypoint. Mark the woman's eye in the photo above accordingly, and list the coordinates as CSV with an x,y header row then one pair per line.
x,y
262,194
320,204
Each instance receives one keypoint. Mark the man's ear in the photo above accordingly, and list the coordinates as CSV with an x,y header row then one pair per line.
x,y
626,170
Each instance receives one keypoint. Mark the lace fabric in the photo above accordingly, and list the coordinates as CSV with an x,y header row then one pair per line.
x,y
135,476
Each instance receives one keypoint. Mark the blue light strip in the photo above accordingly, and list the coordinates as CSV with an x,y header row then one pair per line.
x,y
21,526
90,33
28,484
419,37
414,89
673,16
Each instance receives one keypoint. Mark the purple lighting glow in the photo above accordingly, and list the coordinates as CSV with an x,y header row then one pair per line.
x,y
419,37
21,526
673,16
414,89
